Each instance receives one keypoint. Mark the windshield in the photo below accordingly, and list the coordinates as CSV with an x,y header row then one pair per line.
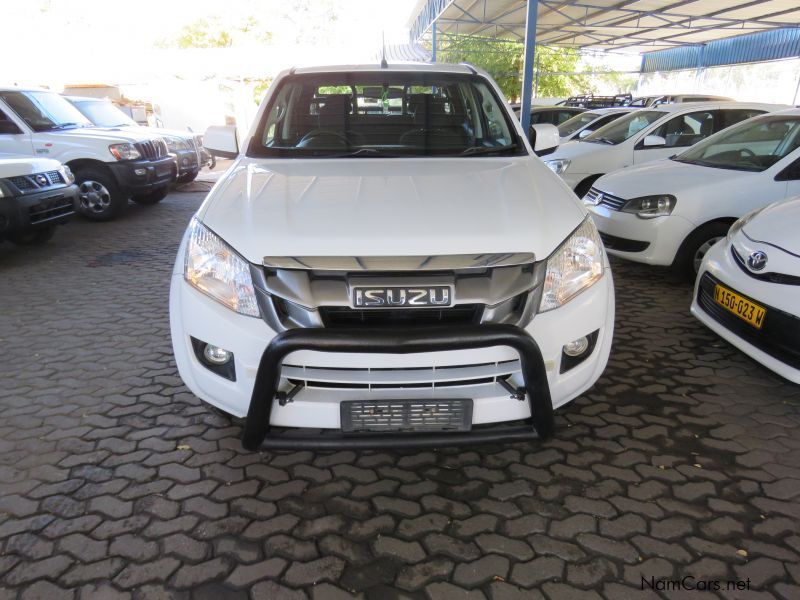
x,y
385,114
104,114
753,145
44,111
624,127
577,122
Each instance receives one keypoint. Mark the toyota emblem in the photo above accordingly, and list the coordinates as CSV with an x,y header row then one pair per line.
x,y
757,260
42,180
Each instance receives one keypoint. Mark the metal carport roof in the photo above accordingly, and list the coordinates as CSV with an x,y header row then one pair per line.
x,y
632,25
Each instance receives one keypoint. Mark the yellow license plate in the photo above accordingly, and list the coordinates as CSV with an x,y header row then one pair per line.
x,y
741,307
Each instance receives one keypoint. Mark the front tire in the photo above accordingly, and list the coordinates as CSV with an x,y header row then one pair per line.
x,y
35,237
99,196
695,246
153,197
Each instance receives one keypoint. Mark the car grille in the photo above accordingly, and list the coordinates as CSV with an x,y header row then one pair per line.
x,y
780,278
607,200
343,316
50,209
376,416
778,337
28,183
152,149
613,242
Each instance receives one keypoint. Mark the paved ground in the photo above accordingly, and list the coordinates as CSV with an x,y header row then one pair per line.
x,y
117,482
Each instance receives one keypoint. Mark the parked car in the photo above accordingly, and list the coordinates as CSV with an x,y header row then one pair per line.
x,y
590,101
429,276
554,115
585,123
183,144
670,212
109,166
748,287
644,136
645,101
36,194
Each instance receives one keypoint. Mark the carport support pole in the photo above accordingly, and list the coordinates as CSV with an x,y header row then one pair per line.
x,y
527,69
433,42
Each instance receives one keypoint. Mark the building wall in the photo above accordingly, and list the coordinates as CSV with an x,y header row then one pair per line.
x,y
774,81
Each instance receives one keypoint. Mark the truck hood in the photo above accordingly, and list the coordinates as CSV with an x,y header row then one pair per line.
x,y
777,225
671,177
12,166
151,132
391,207
112,136
576,148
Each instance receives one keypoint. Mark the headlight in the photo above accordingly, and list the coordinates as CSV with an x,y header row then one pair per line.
x,y
214,268
740,223
175,144
576,265
124,151
649,207
66,173
557,166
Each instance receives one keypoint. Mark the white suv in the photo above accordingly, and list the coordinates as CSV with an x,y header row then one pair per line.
x,y
109,166
386,262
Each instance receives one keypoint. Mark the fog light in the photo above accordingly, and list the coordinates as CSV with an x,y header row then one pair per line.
x,y
185,162
577,347
216,355
140,172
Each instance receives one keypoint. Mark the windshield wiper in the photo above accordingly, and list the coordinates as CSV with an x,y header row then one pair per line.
x,y
599,140
473,150
65,126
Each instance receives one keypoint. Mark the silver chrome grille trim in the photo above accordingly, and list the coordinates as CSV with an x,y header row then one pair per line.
x,y
444,262
607,200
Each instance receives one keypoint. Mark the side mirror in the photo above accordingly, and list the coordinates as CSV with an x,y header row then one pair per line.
x,y
584,133
222,141
653,141
544,138
9,128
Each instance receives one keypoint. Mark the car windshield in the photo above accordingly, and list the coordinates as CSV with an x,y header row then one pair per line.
x,y
577,122
753,145
385,114
44,111
104,114
624,127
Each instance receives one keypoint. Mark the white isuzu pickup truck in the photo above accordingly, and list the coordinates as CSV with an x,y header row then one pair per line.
x,y
109,166
388,263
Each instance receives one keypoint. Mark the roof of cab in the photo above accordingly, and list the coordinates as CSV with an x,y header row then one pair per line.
x,y
392,67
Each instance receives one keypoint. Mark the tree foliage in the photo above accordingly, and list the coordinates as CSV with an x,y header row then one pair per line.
x,y
556,74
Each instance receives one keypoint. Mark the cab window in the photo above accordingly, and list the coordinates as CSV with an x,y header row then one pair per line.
x,y
686,130
7,126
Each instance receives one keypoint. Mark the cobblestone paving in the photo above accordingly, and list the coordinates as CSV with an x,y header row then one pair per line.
x,y
117,483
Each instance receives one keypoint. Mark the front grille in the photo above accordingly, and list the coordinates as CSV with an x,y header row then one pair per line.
x,y
780,278
343,316
612,202
28,183
613,242
51,208
152,149
378,416
778,337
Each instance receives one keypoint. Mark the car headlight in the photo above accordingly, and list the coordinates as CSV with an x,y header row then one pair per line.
x,y
575,266
650,207
557,166
175,144
67,174
739,224
124,151
214,268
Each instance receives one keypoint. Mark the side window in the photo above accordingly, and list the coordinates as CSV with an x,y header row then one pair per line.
x,y
688,129
536,118
564,115
605,120
731,117
7,126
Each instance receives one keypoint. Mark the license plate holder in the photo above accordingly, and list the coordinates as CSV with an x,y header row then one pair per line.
x,y
744,308
406,416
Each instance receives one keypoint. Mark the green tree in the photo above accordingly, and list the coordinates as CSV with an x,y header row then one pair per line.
x,y
216,32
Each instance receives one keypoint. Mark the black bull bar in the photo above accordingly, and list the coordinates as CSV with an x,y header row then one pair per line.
x,y
398,341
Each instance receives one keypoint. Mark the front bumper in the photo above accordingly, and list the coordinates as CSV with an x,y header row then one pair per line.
x,y
187,162
776,344
36,210
136,177
651,241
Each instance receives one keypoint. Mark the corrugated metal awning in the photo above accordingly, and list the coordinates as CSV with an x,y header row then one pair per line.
x,y
630,25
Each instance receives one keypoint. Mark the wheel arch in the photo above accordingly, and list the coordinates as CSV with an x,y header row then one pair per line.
x,y
82,163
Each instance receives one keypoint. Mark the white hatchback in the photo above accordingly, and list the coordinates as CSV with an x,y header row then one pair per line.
x,y
646,135
670,212
748,288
